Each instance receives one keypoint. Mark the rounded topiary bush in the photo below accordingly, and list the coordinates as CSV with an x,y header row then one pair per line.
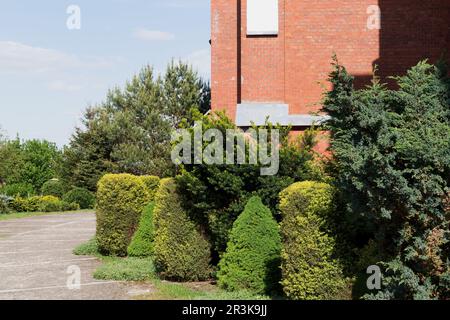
x,y
181,251
152,183
53,188
83,197
120,201
252,259
309,270
142,243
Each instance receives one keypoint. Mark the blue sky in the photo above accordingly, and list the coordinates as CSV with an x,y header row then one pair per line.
x,y
50,74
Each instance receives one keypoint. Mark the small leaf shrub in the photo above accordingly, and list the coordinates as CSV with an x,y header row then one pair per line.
x,y
42,204
120,201
181,251
309,269
251,261
152,183
142,243
5,203
53,187
83,197
18,190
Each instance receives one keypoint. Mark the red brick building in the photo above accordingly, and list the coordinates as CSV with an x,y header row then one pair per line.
x,y
272,57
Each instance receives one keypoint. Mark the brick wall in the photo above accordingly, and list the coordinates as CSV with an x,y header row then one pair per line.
x,y
292,67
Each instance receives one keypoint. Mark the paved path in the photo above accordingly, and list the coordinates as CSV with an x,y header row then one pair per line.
x,y
36,254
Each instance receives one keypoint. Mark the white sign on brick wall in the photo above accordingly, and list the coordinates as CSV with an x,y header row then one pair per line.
x,y
262,17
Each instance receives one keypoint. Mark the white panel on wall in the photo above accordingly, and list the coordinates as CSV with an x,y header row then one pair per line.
x,y
262,17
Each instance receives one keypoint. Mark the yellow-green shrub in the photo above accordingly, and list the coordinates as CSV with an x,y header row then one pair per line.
x,y
152,183
142,243
42,204
120,201
181,251
309,270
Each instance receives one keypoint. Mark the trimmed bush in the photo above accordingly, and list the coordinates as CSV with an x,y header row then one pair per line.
x,y
18,190
142,243
252,259
83,197
42,204
309,271
53,188
152,183
120,201
181,251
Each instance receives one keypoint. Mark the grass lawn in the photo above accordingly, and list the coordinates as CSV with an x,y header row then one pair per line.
x,y
143,270
21,215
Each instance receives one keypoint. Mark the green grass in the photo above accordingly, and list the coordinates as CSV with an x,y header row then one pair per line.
x,y
21,215
143,270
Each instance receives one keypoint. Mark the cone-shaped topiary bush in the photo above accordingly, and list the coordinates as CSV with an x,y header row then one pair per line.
x,y
252,259
309,271
181,251
120,201
142,243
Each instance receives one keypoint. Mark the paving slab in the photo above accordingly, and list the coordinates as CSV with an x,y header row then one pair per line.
x,y
37,263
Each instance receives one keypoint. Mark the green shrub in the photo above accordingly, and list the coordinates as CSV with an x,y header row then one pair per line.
x,y
142,243
252,259
152,183
181,251
83,197
18,190
309,270
120,201
5,203
42,204
53,187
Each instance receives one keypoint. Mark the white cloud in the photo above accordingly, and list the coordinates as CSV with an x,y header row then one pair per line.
x,y
201,61
152,35
16,57
63,86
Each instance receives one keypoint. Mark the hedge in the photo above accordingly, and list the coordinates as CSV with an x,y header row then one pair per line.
x,y
83,197
181,251
252,258
152,183
120,201
41,204
309,271
142,243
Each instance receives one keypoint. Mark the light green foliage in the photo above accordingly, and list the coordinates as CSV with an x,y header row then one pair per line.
x,y
18,190
42,204
252,259
53,187
152,183
120,201
181,251
125,269
142,243
83,197
392,167
309,270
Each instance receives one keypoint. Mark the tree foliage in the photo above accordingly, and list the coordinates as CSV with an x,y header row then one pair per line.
x,y
130,131
392,165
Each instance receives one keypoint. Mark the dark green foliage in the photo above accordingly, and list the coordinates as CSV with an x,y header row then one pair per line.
x,y
53,187
392,165
310,270
252,259
5,203
181,251
120,201
130,131
83,197
18,189
215,195
142,243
